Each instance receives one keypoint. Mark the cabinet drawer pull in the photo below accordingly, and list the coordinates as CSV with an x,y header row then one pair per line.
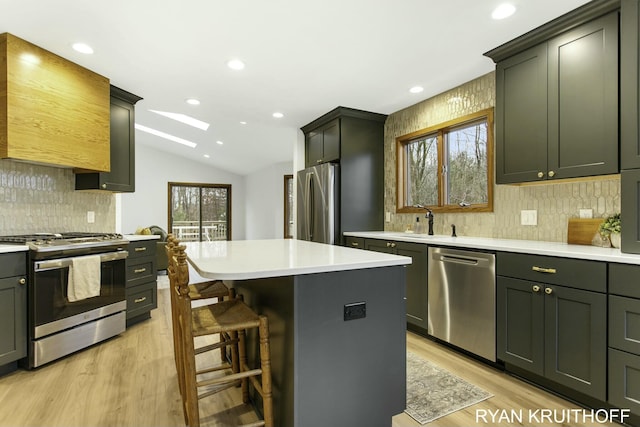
x,y
536,288
140,249
140,270
548,291
540,174
137,300
544,270
355,244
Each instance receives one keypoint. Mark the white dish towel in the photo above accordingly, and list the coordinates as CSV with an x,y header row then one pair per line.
x,y
84,278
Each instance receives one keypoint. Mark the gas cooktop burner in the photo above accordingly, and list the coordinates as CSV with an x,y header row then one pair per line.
x,y
41,242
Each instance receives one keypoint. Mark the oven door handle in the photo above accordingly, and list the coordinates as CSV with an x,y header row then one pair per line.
x,y
54,264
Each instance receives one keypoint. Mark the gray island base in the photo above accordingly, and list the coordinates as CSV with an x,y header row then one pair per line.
x,y
337,326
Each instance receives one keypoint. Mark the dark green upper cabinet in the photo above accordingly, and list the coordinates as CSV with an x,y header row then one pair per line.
x,y
629,85
121,178
522,124
323,144
557,98
583,100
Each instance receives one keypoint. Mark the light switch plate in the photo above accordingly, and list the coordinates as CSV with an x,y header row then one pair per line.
x,y
91,217
529,217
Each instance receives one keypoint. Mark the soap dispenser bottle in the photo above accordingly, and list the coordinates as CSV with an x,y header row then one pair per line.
x,y
417,229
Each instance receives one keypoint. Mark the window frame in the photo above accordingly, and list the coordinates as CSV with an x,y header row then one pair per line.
x,y
440,130
200,187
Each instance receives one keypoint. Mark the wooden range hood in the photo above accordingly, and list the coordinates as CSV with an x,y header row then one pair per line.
x,y
52,111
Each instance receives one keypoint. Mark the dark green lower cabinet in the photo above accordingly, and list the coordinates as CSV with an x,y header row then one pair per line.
x,y
624,380
576,340
520,330
416,276
556,332
13,317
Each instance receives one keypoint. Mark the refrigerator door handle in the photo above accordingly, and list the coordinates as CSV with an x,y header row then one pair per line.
x,y
308,197
310,205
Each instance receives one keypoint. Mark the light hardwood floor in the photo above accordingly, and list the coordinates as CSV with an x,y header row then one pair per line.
x,y
130,380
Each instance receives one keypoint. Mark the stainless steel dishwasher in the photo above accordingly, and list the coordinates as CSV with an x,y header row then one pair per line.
x,y
462,299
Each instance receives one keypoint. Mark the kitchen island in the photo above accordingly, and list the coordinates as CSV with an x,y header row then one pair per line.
x,y
337,325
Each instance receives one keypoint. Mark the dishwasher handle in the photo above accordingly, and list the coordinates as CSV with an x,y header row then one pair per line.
x,y
459,259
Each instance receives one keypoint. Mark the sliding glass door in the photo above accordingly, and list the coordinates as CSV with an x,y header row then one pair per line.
x,y
200,212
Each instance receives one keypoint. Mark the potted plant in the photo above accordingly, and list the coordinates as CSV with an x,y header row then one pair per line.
x,y
610,228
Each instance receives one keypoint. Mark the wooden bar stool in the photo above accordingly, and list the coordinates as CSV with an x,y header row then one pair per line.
x,y
202,290
231,317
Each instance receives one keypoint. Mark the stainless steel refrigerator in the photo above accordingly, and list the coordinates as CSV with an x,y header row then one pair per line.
x,y
317,204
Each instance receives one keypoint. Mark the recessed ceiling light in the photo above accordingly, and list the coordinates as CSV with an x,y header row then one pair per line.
x,y
183,118
243,123
166,136
207,156
235,64
278,115
219,142
416,89
192,101
82,48
505,10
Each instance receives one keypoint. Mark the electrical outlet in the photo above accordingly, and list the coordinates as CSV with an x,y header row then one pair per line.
x,y
586,213
91,217
529,217
356,310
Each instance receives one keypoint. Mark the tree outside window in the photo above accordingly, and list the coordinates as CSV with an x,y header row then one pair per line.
x,y
448,168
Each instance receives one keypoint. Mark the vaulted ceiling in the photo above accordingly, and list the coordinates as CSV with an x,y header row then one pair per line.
x,y
302,59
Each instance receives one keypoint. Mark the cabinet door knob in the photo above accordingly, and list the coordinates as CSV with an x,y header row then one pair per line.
x,y
393,245
355,244
551,174
536,288
22,281
540,174
104,186
548,291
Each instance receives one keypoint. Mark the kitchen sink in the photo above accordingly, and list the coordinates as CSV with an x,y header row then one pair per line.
x,y
419,236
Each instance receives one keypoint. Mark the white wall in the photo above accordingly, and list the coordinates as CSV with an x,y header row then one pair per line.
x,y
154,170
265,201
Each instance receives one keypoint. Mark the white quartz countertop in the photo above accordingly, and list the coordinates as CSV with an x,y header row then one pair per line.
x,y
507,245
4,249
254,259
136,237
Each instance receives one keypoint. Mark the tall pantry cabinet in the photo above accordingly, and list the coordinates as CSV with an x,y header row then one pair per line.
x,y
355,140
630,125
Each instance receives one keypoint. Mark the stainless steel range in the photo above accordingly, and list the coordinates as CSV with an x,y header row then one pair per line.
x,y
60,323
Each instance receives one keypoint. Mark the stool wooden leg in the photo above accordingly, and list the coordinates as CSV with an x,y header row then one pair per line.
x,y
242,350
265,365
235,361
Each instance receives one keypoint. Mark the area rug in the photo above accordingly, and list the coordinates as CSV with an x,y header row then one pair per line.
x,y
433,392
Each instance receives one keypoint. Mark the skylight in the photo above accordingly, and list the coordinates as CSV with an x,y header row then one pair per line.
x,y
166,136
183,118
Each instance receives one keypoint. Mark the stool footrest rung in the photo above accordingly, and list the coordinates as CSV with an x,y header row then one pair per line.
x,y
229,378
